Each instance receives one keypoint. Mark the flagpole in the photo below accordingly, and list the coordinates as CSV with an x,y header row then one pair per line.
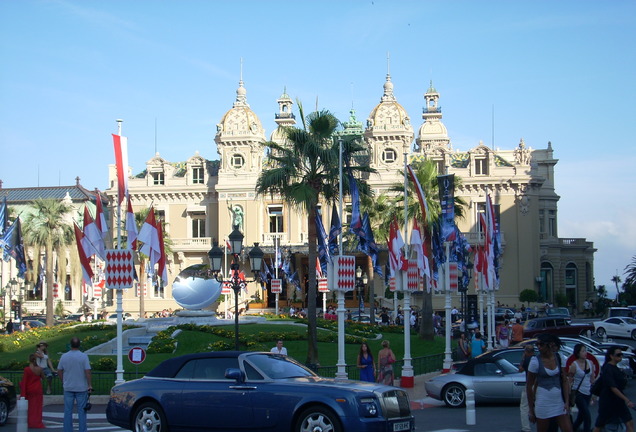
x,y
407,379
448,360
225,267
120,309
276,270
341,374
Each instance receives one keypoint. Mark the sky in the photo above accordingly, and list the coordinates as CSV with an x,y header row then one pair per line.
x,y
549,71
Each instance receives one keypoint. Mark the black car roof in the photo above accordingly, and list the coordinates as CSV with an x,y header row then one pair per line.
x,y
170,367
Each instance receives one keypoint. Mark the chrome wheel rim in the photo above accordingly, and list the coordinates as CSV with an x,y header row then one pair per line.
x,y
454,396
317,422
148,420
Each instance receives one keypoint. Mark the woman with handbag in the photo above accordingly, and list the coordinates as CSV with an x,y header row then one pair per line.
x,y
463,348
386,358
613,403
582,377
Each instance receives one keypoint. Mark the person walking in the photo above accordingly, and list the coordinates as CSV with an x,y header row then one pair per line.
x,y
582,378
463,347
42,355
528,353
613,403
31,390
365,363
279,348
477,345
546,386
74,370
503,334
516,332
386,358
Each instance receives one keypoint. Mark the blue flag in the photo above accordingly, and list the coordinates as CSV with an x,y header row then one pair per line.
x,y
12,246
323,252
372,246
334,231
356,217
4,215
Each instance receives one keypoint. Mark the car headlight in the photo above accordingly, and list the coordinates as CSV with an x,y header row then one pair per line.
x,y
369,407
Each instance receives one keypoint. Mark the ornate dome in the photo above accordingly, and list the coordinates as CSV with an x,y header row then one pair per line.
x,y
240,120
389,114
433,130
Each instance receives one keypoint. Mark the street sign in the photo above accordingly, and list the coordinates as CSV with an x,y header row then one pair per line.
x,y
137,355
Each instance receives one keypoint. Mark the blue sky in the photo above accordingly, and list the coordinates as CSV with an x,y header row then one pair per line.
x,y
554,71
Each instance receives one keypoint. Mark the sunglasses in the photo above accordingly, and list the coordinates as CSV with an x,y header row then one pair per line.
x,y
618,355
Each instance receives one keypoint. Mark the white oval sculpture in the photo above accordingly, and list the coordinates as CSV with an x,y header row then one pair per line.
x,y
195,289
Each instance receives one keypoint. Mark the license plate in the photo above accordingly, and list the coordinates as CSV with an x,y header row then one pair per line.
x,y
402,426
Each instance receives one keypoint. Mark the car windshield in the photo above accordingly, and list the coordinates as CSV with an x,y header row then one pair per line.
x,y
278,367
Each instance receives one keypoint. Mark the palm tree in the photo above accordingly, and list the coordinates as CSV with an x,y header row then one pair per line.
x,y
630,273
48,227
616,279
304,172
426,173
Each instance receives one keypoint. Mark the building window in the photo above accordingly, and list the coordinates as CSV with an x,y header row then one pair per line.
x,y
197,175
552,224
481,166
275,214
441,169
198,225
158,178
237,161
570,275
541,221
389,156
480,209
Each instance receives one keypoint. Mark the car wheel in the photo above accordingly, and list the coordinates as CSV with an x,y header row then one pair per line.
x,y
150,418
4,412
454,395
634,334
318,419
600,332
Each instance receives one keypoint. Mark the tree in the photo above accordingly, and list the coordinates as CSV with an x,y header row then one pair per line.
x,y
528,295
616,279
304,171
48,227
630,273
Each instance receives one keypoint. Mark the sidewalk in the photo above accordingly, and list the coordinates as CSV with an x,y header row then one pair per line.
x,y
417,394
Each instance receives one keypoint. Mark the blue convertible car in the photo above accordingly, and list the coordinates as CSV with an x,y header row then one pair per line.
x,y
253,391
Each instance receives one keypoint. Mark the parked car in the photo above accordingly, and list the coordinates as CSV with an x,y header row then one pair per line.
x,y
618,312
7,399
559,326
616,326
33,323
231,390
492,379
503,314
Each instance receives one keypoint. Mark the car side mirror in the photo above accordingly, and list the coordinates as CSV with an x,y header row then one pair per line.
x,y
235,374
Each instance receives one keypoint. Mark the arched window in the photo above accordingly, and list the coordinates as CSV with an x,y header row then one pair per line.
x,y
570,275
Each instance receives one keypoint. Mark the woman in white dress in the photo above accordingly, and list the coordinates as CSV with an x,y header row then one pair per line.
x,y
547,379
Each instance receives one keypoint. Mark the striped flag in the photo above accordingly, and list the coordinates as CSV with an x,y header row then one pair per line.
x,y
87,271
121,162
421,196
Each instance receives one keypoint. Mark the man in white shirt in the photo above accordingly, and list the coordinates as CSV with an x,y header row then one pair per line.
x,y
279,348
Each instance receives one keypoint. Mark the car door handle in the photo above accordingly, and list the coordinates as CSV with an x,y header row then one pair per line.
x,y
243,387
519,383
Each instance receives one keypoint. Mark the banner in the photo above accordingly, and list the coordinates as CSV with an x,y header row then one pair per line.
x,y
446,186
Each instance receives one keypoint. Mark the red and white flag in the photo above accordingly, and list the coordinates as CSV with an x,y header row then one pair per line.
x,y
421,196
162,271
87,271
228,246
92,239
397,261
131,226
417,243
99,287
318,268
100,218
149,236
121,162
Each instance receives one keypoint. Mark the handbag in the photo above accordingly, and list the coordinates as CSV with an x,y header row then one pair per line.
x,y
573,393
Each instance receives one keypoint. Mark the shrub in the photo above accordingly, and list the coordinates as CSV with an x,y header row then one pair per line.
x,y
104,364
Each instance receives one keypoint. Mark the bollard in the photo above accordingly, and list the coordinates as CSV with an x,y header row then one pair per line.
x,y
23,411
605,337
471,417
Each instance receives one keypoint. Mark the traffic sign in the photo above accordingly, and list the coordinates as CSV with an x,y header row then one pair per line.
x,y
137,355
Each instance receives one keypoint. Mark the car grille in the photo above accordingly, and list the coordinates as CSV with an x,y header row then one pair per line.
x,y
395,404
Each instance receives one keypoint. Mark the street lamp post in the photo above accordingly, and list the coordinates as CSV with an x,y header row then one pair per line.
x,y
361,281
216,255
13,283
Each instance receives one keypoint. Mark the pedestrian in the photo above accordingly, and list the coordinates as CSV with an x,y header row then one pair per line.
x,y
463,347
74,370
612,402
516,332
503,334
31,390
582,377
547,386
279,348
44,361
477,345
386,358
365,363
10,327
454,314
384,316
528,353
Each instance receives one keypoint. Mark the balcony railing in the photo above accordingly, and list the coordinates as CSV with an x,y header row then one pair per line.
x,y
270,238
192,244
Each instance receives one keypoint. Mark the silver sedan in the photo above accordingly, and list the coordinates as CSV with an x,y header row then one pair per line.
x,y
493,380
